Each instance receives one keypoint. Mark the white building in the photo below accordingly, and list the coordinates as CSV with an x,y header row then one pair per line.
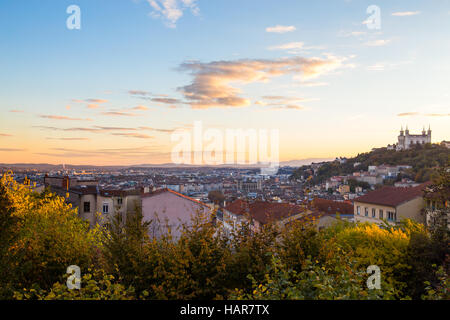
x,y
405,140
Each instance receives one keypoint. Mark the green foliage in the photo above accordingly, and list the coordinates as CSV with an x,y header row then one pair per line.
x,y
43,236
423,159
315,282
95,285
48,237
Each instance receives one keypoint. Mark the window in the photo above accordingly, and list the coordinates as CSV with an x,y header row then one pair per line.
x,y
87,206
381,214
373,213
358,210
391,216
119,201
105,208
366,212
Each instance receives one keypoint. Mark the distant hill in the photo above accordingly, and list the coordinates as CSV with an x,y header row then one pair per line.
x,y
49,167
424,159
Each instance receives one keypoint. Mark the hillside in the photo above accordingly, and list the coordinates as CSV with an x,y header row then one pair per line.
x,y
423,159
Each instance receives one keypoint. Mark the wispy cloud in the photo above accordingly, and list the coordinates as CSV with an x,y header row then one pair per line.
x,y
90,103
118,114
16,111
140,108
172,10
99,101
280,29
211,85
5,135
69,139
405,13
104,129
54,117
11,150
410,114
134,135
139,93
120,153
282,102
377,43
288,46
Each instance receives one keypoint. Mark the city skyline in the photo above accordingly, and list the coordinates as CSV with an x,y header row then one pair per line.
x,y
113,92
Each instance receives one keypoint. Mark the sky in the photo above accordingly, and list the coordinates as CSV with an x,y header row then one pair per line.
x,y
332,78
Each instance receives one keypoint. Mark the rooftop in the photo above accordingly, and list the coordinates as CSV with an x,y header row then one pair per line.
x,y
393,196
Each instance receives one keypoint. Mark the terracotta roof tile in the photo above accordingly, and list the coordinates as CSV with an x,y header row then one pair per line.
x,y
263,211
393,196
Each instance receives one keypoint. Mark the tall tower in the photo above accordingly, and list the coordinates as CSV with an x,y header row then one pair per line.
x,y
401,140
407,131
429,134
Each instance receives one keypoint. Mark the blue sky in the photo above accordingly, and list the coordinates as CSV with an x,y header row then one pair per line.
x,y
343,88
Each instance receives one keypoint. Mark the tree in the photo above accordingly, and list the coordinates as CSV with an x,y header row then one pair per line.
x,y
47,238
216,196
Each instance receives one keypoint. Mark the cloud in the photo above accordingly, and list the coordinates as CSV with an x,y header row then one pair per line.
x,y
16,111
280,29
133,135
288,46
437,114
139,93
405,13
166,100
282,102
213,83
5,135
69,139
289,106
140,108
120,153
118,114
11,150
90,103
172,10
99,101
103,129
405,114
377,43
53,117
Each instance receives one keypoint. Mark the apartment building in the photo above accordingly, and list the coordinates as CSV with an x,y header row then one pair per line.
x,y
170,209
391,204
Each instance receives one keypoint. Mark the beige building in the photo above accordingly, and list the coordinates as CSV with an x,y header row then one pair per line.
x,y
95,205
391,204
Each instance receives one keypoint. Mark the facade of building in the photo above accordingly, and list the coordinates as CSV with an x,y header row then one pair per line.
x,y
249,186
94,204
391,204
169,209
437,207
406,140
